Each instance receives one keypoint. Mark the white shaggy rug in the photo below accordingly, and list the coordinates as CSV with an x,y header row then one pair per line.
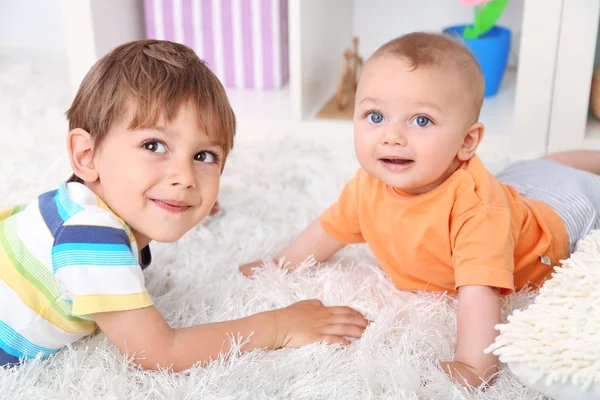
x,y
270,191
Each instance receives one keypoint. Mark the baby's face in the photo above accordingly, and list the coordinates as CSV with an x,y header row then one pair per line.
x,y
409,124
163,180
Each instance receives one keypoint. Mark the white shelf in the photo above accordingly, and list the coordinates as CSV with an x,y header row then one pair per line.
x,y
498,111
256,105
517,119
273,108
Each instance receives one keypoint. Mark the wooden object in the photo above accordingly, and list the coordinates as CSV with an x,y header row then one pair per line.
x,y
595,93
341,106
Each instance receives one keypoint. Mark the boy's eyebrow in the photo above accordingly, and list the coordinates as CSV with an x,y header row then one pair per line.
x,y
166,132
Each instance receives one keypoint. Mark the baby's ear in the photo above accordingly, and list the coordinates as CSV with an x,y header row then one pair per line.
x,y
471,141
81,153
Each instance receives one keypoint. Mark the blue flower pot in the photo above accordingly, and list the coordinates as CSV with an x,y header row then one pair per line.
x,y
491,51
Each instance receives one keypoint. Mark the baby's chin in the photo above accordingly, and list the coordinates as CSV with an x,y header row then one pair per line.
x,y
402,184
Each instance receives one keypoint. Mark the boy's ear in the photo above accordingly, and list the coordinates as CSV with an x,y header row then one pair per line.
x,y
471,141
81,153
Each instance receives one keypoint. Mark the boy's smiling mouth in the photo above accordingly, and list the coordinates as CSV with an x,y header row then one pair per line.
x,y
396,164
173,206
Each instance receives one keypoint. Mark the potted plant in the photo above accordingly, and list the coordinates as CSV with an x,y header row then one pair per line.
x,y
489,43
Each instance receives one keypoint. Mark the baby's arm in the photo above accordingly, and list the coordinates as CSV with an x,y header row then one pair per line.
x,y
145,334
478,313
314,240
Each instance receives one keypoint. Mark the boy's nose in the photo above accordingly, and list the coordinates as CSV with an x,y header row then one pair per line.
x,y
183,174
395,135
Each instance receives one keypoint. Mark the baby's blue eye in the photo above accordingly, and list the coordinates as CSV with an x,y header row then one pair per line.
x,y
206,157
375,117
421,121
155,146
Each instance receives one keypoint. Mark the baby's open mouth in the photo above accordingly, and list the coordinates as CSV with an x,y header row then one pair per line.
x,y
401,161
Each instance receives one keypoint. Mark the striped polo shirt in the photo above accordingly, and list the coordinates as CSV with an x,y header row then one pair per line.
x,y
64,256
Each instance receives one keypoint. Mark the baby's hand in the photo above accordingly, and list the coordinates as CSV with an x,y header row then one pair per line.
x,y
464,374
309,321
248,269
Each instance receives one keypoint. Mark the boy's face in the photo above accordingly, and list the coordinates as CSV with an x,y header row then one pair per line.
x,y
161,181
409,124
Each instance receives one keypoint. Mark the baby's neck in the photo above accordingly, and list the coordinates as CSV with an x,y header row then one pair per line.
x,y
452,168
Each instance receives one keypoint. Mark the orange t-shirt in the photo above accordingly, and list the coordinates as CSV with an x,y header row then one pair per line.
x,y
470,230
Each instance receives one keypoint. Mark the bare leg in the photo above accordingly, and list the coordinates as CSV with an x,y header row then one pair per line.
x,y
586,160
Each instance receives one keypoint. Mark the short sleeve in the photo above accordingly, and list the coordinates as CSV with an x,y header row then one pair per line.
x,y
483,248
95,267
341,219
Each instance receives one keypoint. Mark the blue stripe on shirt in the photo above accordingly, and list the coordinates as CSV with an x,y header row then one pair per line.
x,y
69,259
7,359
49,211
92,247
18,346
65,206
92,234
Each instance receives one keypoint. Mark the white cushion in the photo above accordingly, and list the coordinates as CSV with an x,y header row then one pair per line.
x,y
553,345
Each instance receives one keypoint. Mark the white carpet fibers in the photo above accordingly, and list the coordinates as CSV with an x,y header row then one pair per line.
x,y
269,192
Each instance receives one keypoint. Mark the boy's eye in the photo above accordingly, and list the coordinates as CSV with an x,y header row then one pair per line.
x,y
375,117
154,146
206,157
421,121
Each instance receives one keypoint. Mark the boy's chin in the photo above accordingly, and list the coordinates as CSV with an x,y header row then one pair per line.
x,y
165,237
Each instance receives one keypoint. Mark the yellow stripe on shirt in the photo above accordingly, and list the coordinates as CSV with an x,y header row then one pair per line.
x,y
36,300
95,303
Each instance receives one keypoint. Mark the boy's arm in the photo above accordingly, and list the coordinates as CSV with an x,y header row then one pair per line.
x,y
314,240
478,313
146,336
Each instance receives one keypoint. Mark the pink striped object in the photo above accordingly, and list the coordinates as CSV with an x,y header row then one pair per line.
x,y
244,42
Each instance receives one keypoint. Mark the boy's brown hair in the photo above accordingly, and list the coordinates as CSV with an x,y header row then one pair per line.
x,y
435,50
157,77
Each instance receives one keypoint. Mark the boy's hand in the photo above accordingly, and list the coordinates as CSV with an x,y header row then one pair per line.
x,y
248,269
309,321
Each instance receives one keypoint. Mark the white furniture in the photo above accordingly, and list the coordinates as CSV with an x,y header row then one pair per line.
x,y
535,105
570,124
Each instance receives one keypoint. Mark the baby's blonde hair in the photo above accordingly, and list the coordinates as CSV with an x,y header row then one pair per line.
x,y
435,50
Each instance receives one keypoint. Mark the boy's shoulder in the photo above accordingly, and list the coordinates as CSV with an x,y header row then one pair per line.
x,y
70,213
84,217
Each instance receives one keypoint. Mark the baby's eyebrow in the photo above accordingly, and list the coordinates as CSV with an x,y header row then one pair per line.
x,y
369,99
430,105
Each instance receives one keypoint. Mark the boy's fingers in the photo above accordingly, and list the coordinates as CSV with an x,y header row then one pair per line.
x,y
343,310
348,319
331,339
344,330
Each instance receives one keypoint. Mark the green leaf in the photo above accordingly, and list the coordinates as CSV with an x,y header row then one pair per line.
x,y
488,16
469,33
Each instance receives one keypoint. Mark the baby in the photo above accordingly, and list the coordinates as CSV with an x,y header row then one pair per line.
x,y
150,130
433,216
